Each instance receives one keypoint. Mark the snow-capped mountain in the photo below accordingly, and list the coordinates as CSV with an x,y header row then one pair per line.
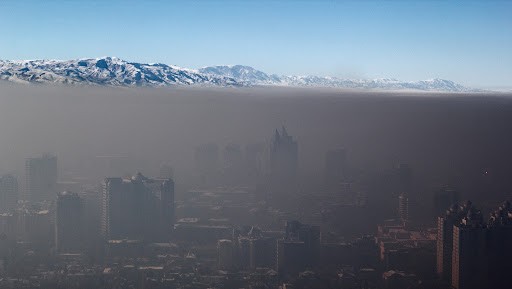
x,y
242,73
252,76
113,71
106,71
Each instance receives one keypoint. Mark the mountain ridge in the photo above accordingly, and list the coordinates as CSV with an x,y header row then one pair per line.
x,y
113,71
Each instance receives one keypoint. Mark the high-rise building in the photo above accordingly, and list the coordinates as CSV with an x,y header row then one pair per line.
x,y
499,246
262,252
41,178
284,158
403,186
138,208
335,168
92,215
470,254
8,193
403,207
291,257
445,225
69,223
445,198
299,249
226,254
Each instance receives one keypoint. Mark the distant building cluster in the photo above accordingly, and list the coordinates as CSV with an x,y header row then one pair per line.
x,y
472,253
245,220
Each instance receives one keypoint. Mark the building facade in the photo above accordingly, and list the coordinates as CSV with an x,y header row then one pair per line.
x,y
41,178
137,208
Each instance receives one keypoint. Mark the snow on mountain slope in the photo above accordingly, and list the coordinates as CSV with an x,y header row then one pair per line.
x,y
106,71
252,76
113,71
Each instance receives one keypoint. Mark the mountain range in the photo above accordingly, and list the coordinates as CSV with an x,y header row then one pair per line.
x,y
112,71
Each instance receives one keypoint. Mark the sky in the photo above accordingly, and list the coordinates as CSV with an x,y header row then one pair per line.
x,y
469,42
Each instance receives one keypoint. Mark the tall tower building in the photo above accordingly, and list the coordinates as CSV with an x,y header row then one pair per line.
x,y
226,254
299,249
335,168
403,186
8,193
403,207
445,225
469,256
499,244
445,198
284,157
480,252
41,178
69,223
138,208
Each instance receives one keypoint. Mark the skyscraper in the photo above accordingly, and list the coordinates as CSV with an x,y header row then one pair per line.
x,y
470,255
403,186
138,208
8,192
445,198
499,246
284,158
445,225
41,178
69,223
403,207
299,249
226,254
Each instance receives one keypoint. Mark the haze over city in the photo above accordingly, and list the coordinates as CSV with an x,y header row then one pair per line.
x,y
256,144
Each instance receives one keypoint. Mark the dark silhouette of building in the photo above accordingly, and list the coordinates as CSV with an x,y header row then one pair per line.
x,y
403,186
469,257
299,249
335,169
138,208
284,160
403,207
262,252
8,193
41,178
480,252
69,223
226,254
445,198
445,225
499,246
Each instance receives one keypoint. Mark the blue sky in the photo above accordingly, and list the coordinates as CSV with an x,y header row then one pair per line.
x,y
466,41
